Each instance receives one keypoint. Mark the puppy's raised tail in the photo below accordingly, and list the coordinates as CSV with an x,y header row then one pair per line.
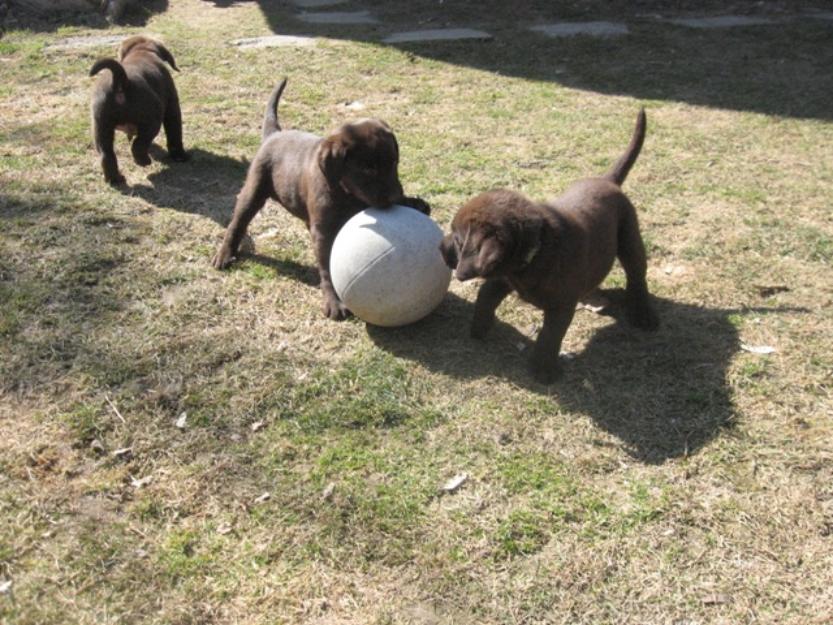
x,y
270,117
119,75
620,170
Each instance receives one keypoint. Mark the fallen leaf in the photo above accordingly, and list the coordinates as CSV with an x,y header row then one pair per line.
x,y
96,446
180,422
224,528
124,451
716,599
757,349
769,291
327,493
455,482
258,425
263,497
140,483
5,587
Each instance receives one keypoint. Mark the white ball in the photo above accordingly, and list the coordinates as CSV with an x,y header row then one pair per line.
x,y
386,265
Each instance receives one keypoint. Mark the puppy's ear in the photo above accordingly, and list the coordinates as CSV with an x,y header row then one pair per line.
x,y
448,251
331,155
491,254
163,53
528,238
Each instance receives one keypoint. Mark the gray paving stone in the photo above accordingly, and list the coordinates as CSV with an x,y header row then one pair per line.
x,y
721,21
437,34
594,29
274,41
820,15
79,43
339,17
316,4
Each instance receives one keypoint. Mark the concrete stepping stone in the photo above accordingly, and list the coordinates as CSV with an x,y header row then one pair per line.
x,y
569,29
437,34
316,4
274,41
80,43
721,21
339,17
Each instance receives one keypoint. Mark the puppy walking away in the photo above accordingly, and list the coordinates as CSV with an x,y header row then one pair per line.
x,y
138,97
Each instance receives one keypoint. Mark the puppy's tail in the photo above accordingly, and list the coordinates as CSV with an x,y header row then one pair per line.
x,y
620,170
270,118
119,75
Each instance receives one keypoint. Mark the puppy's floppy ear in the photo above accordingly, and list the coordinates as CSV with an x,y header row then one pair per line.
x,y
491,254
331,155
162,53
528,240
448,251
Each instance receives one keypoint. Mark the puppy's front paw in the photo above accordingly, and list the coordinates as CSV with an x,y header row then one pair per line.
x,y
643,317
418,203
180,156
222,258
117,180
143,160
546,372
335,309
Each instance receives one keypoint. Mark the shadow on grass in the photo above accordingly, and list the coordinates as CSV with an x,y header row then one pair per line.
x,y
205,185
776,69
137,15
663,394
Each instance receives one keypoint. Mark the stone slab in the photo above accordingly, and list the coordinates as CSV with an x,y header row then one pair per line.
x,y
316,4
721,21
338,17
437,34
570,29
80,43
274,41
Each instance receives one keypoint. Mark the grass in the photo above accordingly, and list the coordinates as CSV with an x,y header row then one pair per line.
x,y
667,478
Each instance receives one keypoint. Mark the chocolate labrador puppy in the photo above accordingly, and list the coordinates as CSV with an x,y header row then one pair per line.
x,y
323,181
138,97
552,254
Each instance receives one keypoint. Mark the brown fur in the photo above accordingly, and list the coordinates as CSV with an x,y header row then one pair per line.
x,y
137,96
323,181
552,254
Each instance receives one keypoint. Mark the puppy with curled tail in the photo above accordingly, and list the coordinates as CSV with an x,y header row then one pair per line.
x,y
322,180
136,96
552,254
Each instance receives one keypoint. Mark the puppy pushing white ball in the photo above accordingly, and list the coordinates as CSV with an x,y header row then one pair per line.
x,y
386,266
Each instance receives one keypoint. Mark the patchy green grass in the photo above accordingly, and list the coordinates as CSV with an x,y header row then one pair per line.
x,y
668,478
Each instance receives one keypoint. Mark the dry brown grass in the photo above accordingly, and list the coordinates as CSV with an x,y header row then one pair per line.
x,y
669,479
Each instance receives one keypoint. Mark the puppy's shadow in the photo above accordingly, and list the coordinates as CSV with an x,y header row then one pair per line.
x,y
207,184
663,394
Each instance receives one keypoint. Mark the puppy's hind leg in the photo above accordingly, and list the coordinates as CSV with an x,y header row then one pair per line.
x,y
104,135
146,132
173,130
631,253
489,297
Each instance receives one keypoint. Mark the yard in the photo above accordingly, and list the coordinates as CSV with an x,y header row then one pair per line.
x,y
180,445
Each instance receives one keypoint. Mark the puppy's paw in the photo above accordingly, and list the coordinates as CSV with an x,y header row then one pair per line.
x,y
180,156
222,259
545,371
643,317
116,181
335,309
417,203
143,160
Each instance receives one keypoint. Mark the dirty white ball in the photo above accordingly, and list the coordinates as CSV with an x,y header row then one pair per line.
x,y
386,265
